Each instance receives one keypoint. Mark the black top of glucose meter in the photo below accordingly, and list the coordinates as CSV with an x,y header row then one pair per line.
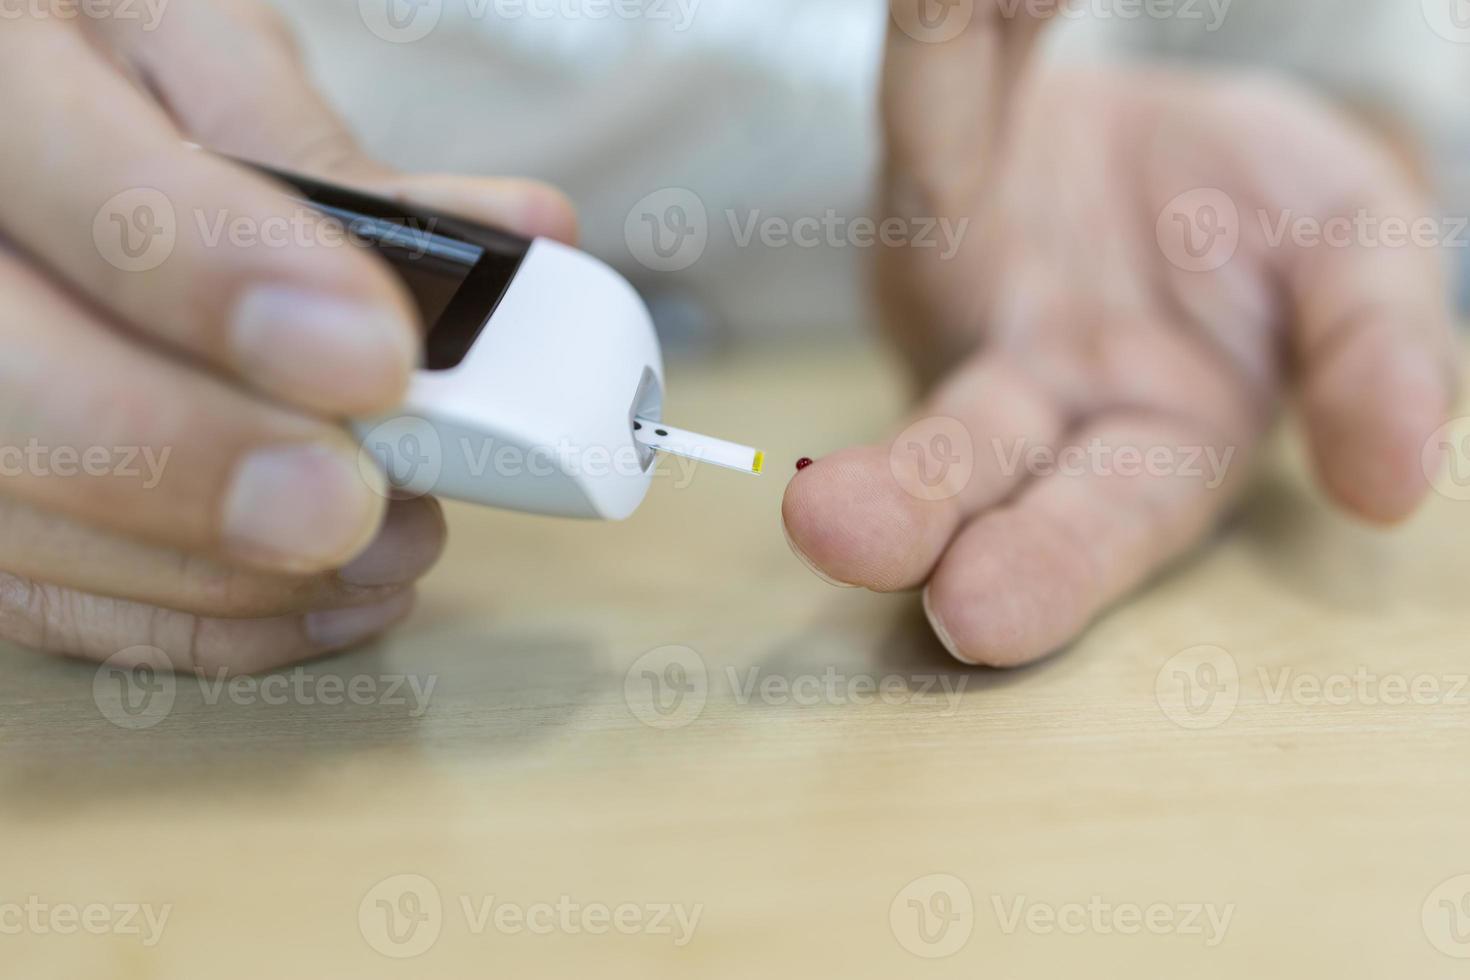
x,y
456,270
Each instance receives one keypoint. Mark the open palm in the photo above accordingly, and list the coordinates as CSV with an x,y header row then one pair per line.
x,y
1155,261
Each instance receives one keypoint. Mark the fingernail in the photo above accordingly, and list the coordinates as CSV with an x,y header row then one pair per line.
x,y
301,508
331,629
322,349
410,542
811,565
936,623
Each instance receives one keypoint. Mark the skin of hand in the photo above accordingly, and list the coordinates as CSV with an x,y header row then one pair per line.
x,y
259,541
1078,314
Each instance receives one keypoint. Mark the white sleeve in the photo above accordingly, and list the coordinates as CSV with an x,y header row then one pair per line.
x,y
763,108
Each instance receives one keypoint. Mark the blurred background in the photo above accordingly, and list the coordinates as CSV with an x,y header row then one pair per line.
x,y
768,107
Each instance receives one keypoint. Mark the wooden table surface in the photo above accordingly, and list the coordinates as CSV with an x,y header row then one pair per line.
x,y
662,748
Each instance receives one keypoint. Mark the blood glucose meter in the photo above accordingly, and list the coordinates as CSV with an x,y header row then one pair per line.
x,y
541,387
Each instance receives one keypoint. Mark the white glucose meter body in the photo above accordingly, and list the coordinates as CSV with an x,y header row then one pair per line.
x,y
539,415
541,365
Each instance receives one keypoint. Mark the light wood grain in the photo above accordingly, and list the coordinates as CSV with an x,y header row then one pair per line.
x,y
1323,828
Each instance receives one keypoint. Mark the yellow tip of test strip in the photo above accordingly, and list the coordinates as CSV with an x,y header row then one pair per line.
x,y
705,449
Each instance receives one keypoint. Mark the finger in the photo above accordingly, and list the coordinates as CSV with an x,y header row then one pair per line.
x,y
249,94
78,624
1379,367
1025,579
526,207
231,74
881,516
43,547
185,248
96,428
950,67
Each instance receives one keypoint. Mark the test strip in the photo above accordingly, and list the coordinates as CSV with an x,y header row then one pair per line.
x,y
692,445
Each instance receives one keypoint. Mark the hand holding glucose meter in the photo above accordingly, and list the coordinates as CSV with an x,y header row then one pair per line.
x,y
542,380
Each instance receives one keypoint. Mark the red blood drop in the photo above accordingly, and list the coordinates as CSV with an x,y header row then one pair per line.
x,y
803,463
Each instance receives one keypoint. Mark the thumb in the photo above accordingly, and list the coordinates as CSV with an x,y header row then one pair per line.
x,y
232,75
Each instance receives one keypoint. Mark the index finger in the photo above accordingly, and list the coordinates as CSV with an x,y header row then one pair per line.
x,y
950,67
189,250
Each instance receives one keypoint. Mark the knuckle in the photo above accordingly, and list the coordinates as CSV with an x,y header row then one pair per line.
x,y
221,592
